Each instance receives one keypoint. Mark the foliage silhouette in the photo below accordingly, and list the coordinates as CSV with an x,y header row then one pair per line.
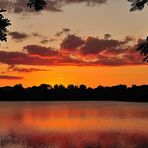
x,y
46,92
37,4
142,47
4,23
137,4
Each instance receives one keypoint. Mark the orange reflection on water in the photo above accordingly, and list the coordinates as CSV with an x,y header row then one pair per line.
x,y
74,124
88,124
76,116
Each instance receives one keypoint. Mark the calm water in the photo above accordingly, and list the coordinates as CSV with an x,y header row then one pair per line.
x,y
73,125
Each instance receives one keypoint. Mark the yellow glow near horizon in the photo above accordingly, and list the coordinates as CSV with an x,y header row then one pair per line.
x,y
88,75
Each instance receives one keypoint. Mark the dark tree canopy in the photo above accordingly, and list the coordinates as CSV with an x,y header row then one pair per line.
x,y
137,4
46,92
37,4
4,23
143,48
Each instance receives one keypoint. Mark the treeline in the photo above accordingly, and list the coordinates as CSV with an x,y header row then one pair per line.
x,y
46,92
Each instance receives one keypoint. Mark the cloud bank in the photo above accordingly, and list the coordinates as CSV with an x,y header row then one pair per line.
x,y
75,50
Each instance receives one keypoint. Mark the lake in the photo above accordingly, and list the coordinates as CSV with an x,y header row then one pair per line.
x,y
73,125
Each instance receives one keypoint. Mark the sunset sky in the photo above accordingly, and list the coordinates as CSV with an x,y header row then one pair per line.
x,y
73,42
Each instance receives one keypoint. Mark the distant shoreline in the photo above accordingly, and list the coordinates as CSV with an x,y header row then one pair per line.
x,y
46,92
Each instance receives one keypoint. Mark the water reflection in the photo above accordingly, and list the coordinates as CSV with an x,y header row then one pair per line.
x,y
73,124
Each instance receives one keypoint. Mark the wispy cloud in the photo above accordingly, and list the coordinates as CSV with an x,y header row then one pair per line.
x,y
18,36
13,68
10,77
64,30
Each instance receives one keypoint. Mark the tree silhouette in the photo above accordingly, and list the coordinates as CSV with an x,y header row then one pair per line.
x,y
4,23
37,4
137,4
46,92
142,47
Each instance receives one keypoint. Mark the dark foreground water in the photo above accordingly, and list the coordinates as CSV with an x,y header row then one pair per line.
x,y
73,125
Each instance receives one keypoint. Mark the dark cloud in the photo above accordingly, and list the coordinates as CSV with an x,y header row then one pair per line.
x,y
44,41
94,45
64,30
36,34
140,40
57,5
10,77
107,36
20,6
107,51
18,36
40,50
52,40
20,58
72,42
78,51
24,70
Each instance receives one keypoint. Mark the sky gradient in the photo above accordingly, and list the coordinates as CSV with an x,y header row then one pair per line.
x,y
73,42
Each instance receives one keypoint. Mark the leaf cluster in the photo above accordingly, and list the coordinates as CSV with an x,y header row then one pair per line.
x,y
4,23
37,4
137,4
143,48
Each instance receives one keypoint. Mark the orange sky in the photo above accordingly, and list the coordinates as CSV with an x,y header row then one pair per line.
x,y
80,45
106,76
